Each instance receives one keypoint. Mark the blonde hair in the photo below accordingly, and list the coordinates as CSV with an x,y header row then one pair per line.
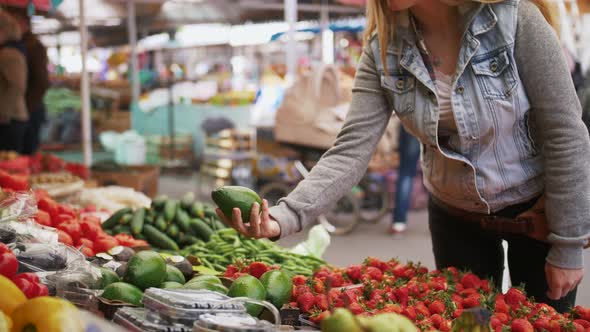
x,y
380,18
10,26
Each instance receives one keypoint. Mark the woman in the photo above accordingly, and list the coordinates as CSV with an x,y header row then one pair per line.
x,y
486,90
13,84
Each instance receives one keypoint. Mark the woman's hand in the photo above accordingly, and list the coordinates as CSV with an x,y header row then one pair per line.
x,y
261,225
561,281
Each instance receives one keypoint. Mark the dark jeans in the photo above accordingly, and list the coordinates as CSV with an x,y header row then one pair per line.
x,y
466,245
409,153
12,135
33,133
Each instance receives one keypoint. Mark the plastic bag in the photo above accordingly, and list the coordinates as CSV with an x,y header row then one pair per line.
x,y
18,206
114,198
316,244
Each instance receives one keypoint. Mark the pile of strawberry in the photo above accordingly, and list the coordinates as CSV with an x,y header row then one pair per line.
x,y
432,299
247,267
78,228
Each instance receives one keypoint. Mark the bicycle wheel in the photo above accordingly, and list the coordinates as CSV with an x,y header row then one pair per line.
x,y
274,191
376,201
343,217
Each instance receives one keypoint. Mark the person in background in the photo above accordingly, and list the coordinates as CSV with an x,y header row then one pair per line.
x,y
409,153
13,85
37,82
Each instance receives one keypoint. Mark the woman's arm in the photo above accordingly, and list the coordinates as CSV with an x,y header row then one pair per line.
x,y
556,115
346,162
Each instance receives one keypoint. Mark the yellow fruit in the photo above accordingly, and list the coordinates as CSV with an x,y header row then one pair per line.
x,y
5,323
47,314
11,297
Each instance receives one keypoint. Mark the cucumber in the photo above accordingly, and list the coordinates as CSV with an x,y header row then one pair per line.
x,y
218,224
187,200
150,218
200,229
126,219
170,209
161,223
172,231
209,212
187,240
182,220
159,239
197,210
159,202
138,221
114,219
121,229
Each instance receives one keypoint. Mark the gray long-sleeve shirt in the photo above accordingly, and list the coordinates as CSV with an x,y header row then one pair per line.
x,y
557,128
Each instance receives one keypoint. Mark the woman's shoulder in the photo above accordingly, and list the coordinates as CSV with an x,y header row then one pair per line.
x,y
11,54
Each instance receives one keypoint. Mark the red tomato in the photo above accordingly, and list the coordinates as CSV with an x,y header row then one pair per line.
x,y
85,242
48,205
125,239
65,209
87,252
90,230
104,243
43,218
65,238
71,227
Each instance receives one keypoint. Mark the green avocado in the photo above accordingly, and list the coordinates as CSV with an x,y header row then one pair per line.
x,y
230,197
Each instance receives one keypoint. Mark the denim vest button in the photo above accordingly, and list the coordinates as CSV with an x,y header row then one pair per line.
x,y
494,66
460,90
399,84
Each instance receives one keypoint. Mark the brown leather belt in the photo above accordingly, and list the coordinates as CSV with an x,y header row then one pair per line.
x,y
519,225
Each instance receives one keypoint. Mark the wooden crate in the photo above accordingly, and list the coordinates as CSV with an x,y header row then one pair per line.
x,y
141,178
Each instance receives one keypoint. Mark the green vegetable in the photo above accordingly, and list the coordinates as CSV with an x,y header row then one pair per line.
x,y
124,292
114,219
187,200
174,274
248,286
171,285
208,286
172,231
199,228
108,277
187,240
159,239
121,229
126,219
146,269
279,287
161,223
137,221
230,197
197,210
182,220
170,209
159,202
205,278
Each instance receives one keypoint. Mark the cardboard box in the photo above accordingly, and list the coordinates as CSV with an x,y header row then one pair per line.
x,y
140,178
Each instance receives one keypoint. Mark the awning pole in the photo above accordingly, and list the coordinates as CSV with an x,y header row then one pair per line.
x,y
132,29
291,56
85,90
327,36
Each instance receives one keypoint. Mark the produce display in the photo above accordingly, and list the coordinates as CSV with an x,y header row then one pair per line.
x,y
14,163
226,247
169,224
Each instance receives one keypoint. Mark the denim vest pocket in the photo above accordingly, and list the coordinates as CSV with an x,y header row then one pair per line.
x,y
400,91
495,75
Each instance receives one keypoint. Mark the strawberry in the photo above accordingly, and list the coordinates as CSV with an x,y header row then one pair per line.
x,y
301,289
350,296
410,312
306,301
356,308
354,272
318,286
392,308
375,262
445,325
230,271
501,306
299,280
400,271
318,317
336,280
437,307
422,310
257,269
470,280
554,326
541,324
485,285
472,301
502,317
495,322
436,320
374,273
321,301
521,325
578,327
457,312
514,297
584,323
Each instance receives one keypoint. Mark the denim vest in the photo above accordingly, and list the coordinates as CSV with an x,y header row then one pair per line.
x,y
494,162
